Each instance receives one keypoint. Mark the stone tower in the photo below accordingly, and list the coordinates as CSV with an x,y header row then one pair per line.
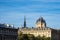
x,y
40,23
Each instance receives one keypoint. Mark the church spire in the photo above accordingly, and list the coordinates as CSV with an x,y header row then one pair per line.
x,y
24,21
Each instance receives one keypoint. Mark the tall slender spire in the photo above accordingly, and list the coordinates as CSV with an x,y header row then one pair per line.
x,y
24,21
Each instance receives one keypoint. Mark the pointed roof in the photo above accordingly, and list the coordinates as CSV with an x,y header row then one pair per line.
x,y
24,21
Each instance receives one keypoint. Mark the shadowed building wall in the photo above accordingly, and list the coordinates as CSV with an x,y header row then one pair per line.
x,y
8,33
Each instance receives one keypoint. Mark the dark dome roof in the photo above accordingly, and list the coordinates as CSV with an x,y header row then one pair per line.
x,y
40,20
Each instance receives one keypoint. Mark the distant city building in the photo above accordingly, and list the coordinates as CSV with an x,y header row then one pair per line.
x,y
40,29
8,32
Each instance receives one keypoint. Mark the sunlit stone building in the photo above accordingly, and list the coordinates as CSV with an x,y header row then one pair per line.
x,y
8,32
40,29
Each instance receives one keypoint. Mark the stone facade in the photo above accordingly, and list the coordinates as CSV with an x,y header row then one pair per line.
x,y
40,31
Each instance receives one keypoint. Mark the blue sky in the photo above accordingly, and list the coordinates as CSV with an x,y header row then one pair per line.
x,y
13,11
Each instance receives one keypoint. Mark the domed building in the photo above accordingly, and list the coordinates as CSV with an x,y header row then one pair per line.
x,y
40,23
40,30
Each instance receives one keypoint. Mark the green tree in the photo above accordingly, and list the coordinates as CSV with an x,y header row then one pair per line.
x,y
31,37
23,37
20,37
48,38
38,38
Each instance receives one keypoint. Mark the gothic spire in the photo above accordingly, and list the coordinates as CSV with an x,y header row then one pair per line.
x,y
24,21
